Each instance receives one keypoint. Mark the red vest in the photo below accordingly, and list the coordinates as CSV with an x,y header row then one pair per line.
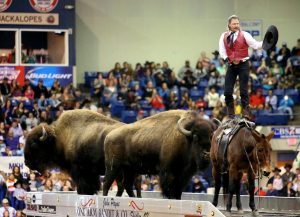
x,y
239,50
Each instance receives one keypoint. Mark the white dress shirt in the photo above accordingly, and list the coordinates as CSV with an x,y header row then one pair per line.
x,y
249,40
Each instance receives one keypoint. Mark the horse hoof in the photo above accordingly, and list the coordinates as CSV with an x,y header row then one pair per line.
x,y
240,211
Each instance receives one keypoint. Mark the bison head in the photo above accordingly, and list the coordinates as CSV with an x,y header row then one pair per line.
x,y
40,148
199,133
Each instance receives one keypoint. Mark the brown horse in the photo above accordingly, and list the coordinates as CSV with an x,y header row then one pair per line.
x,y
247,152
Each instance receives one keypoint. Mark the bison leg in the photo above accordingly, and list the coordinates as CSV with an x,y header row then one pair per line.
x,y
170,185
138,186
110,175
87,183
120,185
217,178
129,178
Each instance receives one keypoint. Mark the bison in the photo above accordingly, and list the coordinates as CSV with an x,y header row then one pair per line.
x,y
173,144
73,143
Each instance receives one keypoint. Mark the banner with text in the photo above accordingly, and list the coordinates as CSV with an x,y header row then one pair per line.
x,y
286,132
12,73
8,163
29,18
49,74
254,27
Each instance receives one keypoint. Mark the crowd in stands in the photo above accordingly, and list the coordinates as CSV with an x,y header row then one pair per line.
x,y
147,89
286,184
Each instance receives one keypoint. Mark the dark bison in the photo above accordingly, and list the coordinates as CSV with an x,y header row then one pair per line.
x,y
73,143
173,144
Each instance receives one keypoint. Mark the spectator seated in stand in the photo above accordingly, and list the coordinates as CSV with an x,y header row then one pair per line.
x,y
286,105
257,100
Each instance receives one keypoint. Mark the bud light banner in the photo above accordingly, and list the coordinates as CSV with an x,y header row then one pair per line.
x,y
49,74
12,73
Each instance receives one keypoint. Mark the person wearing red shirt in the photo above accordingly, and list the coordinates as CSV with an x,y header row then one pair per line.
x,y
257,100
156,101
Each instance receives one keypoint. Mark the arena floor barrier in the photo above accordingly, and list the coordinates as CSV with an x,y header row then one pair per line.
x,y
73,205
277,206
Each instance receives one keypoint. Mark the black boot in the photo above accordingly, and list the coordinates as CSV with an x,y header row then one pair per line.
x,y
230,112
246,113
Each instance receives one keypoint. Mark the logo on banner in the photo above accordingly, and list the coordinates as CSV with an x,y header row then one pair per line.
x,y
4,4
43,5
49,75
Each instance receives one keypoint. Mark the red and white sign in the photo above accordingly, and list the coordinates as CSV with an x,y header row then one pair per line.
x,y
43,5
4,4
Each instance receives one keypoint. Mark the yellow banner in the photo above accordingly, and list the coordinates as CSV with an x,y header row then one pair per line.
x,y
29,19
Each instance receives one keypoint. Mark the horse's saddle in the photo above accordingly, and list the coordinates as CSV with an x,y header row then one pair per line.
x,y
230,129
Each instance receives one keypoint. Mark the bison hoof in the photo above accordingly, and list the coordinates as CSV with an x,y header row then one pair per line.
x,y
240,211
255,213
227,213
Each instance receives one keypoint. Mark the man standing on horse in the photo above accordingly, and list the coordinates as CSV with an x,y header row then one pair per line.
x,y
233,48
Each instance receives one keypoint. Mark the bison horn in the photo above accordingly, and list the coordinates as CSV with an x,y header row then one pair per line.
x,y
44,136
181,128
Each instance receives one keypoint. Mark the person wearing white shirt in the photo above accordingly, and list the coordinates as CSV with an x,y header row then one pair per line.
x,y
233,48
6,207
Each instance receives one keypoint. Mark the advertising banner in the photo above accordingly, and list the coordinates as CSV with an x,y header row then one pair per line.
x,y
12,73
254,27
8,163
29,19
286,132
49,74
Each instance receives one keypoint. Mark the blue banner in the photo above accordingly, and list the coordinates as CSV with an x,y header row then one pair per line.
x,y
286,132
49,74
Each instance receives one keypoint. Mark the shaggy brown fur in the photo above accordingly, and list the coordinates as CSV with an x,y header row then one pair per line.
x,y
155,145
73,143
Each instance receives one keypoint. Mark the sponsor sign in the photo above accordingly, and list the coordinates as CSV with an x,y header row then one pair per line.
x,y
43,5
12,73
254,27
286,132
4,4
49,74
32,207
8,163
29,19
47,209
108,207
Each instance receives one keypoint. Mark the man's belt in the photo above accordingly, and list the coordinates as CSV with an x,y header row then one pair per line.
x,y
236,62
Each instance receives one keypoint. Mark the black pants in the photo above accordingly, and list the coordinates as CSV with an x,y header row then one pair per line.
x,y
241,70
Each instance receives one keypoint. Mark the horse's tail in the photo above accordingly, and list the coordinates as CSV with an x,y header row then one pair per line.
x,y
225,185
225,182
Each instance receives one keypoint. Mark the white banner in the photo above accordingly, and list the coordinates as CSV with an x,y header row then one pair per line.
x,y
29,19
254,27
8,163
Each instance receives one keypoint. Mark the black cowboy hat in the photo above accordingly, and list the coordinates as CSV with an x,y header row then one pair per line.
x,y
18,182
288,165
276,169
270,38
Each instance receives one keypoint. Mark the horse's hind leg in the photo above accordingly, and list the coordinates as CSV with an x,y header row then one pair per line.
x,y
238,196
232,187
217,178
